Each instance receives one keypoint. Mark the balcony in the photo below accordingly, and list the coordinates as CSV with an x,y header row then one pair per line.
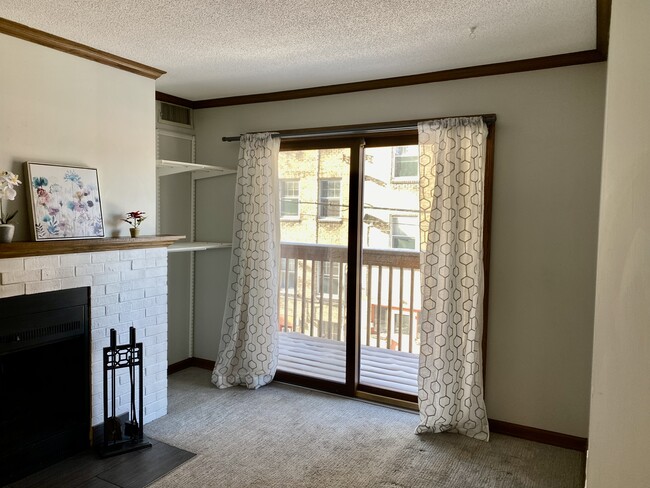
x,y
312,314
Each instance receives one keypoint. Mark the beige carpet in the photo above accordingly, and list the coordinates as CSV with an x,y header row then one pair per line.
x,y
284,436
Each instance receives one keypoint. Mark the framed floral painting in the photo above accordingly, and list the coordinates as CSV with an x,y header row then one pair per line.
x,y
64,202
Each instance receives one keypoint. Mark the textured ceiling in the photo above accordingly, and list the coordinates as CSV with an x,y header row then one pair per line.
x,y
221,48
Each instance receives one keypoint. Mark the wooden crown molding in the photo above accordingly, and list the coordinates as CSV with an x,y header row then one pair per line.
x,y
164,97
532,64
76,49
603,18
603,15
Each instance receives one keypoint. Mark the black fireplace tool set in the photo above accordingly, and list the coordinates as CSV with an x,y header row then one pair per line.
x,y
120,438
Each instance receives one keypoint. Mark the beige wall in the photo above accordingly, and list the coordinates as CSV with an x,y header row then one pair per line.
x,y
547,174
58,108
620,398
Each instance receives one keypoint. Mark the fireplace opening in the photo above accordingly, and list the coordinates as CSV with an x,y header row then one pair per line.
x,y
44,380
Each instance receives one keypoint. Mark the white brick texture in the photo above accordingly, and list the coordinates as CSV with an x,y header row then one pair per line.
x,y
122,286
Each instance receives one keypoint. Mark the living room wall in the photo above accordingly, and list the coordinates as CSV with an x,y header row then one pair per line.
x,y
545,218
59,108
620,423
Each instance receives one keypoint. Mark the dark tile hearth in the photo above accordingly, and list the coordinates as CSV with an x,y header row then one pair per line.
x,y
87,470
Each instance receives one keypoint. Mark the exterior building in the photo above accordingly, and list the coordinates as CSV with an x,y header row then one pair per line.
x,y
314,205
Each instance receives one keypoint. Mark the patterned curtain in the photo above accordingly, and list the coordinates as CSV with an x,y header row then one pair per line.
x,y
248,351
450,380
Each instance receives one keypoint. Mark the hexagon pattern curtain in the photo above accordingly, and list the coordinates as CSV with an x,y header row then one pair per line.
x,y
248,351
450,379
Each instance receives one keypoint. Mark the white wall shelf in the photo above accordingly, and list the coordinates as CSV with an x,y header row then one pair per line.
x,y
197,246
165,167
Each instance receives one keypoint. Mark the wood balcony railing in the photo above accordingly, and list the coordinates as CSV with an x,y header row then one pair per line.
x,y
313,290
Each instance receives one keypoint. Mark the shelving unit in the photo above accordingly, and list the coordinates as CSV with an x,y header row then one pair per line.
x,y
166,167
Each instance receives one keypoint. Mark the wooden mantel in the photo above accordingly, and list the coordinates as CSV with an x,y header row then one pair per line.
x,y
44,248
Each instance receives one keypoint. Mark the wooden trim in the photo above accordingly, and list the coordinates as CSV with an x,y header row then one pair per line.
x,y
36,36
603,18
353,285
202,363
487,239
539,435
384,400
164,97
380,394
546,62
180,366
24,249
313,383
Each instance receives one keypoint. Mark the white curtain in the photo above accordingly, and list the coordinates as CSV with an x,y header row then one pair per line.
x,y
450,380
248,351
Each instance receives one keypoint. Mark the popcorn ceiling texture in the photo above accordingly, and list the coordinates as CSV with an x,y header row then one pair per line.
x,y
219,48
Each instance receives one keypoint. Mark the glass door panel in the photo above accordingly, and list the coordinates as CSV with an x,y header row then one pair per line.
x,y
314,223
390,270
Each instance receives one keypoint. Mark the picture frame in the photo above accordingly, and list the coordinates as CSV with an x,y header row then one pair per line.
x,y
64,202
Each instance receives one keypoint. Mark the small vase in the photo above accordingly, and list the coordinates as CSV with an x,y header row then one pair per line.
x,y
135,231
6,232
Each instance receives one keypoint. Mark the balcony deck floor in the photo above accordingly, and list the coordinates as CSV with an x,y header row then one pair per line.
x,y
325,359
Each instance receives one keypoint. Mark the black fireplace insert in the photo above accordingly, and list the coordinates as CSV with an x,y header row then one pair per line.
x,y
44,380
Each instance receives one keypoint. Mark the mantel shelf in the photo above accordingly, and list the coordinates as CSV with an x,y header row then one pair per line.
x,y
197,246
71,246
165,167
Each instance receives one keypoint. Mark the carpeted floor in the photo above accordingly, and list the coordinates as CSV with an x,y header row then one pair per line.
x,y
284,436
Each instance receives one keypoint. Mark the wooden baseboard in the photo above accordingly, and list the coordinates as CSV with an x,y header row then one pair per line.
x,y
179,366
497,426
203,363
539,435
190,363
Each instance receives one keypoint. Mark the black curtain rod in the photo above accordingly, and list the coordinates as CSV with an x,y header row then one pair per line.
x,y
358,130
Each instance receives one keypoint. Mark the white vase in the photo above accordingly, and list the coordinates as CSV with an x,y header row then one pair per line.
x,y
6,232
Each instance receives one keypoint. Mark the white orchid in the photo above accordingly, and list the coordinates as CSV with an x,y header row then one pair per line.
x,y
7,182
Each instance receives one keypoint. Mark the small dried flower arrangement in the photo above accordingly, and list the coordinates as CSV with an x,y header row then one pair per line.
x,y
134,219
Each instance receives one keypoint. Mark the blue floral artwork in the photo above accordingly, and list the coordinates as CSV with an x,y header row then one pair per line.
x,y
65,202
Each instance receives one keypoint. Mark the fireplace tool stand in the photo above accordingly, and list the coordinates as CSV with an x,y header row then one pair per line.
x,y
131,437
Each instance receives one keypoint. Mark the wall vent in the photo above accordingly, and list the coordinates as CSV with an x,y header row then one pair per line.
x,y
175,115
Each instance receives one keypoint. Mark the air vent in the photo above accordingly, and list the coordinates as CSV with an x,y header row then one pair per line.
x,y
175,114
44,334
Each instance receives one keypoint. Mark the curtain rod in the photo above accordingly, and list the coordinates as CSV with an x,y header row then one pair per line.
x,y
348,130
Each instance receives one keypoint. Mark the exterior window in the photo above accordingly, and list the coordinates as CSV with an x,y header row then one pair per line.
x,y
404,232
406,162
405,323
289,198
288,275
330,271
329,199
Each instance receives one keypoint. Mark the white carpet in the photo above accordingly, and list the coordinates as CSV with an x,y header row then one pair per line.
x,y
284,436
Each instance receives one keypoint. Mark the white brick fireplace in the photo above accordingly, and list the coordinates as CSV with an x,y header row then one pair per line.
x,y
127,288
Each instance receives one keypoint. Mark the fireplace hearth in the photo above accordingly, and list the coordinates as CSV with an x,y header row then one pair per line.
x,y
44,380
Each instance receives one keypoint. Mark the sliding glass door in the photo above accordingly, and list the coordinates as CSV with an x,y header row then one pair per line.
x,y
315,230
350,327
390,270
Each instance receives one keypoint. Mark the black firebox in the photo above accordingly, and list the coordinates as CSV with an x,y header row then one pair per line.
x,y
44,380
